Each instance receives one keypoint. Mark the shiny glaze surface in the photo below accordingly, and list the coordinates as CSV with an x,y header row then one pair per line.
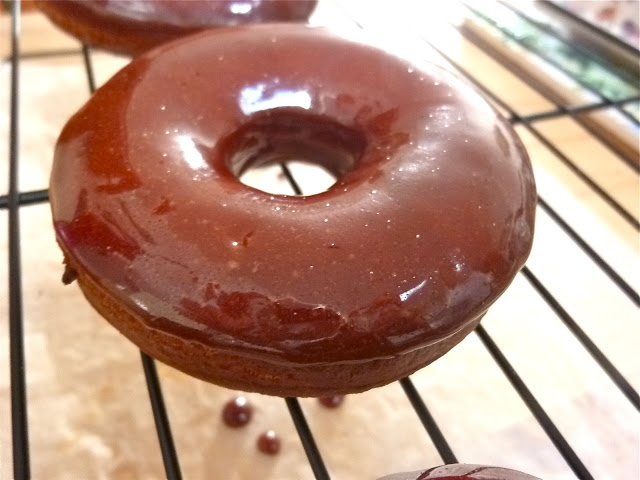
x,y
429,222
134,26
462,472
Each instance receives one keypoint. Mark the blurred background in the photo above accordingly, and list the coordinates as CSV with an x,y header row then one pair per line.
x,y
549,383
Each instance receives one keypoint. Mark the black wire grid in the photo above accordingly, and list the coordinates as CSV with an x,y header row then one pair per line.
x,y
14,200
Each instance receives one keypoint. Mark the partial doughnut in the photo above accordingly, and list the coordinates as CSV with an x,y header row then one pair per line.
x,y
131,27
462,472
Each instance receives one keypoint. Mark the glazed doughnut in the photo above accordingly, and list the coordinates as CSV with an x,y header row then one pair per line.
x,y
429,221
462,472
131,27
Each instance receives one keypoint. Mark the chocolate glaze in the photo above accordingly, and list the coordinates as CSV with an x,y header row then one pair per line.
x,y
134,26
461,472
430,219
69,275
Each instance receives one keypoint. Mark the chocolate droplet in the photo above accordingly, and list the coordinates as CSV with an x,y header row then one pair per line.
x,y
69,275
269,443
332,401
237,412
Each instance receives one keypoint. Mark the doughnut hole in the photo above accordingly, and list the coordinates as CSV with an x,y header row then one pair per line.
x,y
315,150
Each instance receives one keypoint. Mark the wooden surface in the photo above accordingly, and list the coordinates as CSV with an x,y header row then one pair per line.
x,y
89,413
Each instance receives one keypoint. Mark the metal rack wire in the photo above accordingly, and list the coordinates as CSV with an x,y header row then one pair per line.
x,y
14,200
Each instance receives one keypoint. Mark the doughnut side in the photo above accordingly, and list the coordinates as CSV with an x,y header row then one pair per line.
x,y
238,371
96,29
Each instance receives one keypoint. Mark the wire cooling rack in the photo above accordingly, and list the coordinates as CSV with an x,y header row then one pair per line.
x,y
490,31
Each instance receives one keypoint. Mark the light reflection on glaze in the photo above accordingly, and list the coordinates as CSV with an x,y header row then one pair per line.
x,y
255,98
406,248
240,8
405,296
190,153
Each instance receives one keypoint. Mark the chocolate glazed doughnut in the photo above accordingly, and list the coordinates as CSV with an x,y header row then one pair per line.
x,y
430,219
462,472
133,26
